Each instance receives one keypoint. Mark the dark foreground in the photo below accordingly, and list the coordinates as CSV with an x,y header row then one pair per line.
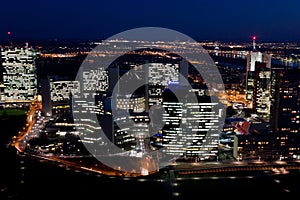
x,y
25,178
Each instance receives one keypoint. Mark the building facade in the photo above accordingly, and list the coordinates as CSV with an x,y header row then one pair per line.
x,y
19,73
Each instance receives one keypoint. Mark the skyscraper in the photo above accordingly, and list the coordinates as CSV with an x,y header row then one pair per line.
x,y
191,128
258,76
262,91
286,107
19,73
60,90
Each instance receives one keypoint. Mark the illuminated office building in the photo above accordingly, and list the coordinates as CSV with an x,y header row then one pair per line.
x,y
155,95
60,90
122,132
92,90
1,90
286,111
258,77
203,123
131,122
262,91
159,77
162,74
88,102
19,73
172,132
136,104
191,128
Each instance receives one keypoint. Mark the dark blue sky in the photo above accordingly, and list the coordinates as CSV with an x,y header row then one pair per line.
x,y
229,20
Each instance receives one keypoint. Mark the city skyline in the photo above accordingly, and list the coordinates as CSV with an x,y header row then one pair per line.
x,y
149,99
201,20
257,142
258,86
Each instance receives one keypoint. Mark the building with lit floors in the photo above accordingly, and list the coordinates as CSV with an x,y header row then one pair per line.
x,y
130,126
279,138
258,83
1,90
285,117
19,73
89,102
191,129
60,91
261,97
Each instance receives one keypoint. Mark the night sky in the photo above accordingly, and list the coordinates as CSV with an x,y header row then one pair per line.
x,y
223,20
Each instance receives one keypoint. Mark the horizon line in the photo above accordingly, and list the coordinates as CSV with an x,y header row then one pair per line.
x,y
56,39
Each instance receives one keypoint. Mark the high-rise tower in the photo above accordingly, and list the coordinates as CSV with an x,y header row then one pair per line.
x,y
285,119
258,81
19,73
